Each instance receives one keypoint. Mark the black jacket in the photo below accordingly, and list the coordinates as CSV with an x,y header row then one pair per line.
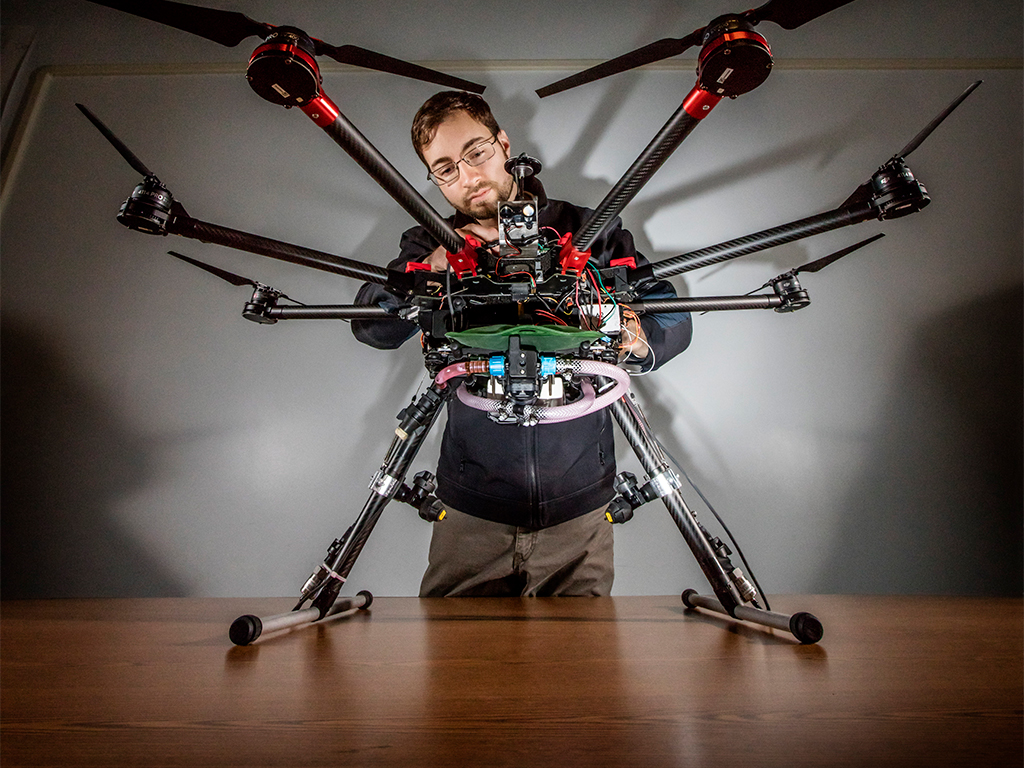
x,y
533,477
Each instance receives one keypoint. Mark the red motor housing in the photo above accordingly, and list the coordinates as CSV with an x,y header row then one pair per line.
x,y
284,70
734,58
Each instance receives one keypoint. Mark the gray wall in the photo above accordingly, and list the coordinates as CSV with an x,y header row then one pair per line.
x,y
155,443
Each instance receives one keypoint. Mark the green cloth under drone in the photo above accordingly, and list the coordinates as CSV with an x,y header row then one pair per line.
x,y
543,338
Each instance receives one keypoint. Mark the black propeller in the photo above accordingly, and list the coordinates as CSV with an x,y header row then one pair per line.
x,y
119,145
819,264
229,28
864,192
151,205
918,140
656,51
262,308
788,278
786,285
231,277
788,14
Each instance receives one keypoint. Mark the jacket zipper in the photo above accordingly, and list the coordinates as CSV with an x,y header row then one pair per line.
x,y
531,476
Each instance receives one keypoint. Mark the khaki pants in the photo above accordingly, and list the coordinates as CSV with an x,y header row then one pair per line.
x,y
471,557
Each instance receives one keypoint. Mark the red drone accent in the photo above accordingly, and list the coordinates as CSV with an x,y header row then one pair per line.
x,y
321,110
288,48
729,37
700,102
625,261
465,260
572,258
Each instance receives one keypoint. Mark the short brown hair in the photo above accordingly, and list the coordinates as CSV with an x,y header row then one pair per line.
x,y
440,107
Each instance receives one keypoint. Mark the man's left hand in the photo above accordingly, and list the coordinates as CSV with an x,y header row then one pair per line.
x,y
633,339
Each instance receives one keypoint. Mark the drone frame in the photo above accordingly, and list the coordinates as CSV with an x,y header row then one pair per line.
x,y
891,192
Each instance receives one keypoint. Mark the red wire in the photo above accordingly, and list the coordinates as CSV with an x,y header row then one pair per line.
x,y
545,313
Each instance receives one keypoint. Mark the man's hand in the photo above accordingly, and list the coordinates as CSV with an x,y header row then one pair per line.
x,y
438,260
633,340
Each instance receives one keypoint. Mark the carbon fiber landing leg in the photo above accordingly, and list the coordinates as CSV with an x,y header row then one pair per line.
x,y
324,585
736,597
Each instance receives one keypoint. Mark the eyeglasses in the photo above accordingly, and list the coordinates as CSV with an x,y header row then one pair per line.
x,y
477,155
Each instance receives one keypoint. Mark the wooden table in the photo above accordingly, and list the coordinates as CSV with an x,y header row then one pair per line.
x,y
626,681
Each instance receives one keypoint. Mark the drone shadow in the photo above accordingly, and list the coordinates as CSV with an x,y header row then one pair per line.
x,y
952,527
67,459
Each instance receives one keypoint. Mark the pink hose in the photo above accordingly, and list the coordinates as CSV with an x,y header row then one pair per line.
x,y
461,369
589,403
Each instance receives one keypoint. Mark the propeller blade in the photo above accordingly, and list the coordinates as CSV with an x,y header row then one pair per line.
x,y
790,14
223,274
926,132
360,57
863,193
119,145
228,28
656,51
824,261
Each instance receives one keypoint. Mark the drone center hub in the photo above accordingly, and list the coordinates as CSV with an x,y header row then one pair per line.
x,y
734,58
284,70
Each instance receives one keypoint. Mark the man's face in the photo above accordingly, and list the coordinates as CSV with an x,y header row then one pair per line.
x,y
477,191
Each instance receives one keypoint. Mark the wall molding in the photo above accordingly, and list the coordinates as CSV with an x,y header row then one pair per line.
x,y
531,65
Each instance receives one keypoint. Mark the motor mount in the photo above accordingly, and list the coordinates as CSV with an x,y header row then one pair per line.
x,y
895,191
734,59
148,208
283,70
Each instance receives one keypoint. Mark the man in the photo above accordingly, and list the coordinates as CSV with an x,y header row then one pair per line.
x,y
525,504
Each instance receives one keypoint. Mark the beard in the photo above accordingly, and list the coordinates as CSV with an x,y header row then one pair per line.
x,y
487,208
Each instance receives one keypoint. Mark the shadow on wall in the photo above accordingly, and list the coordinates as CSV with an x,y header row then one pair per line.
x,y
938,507
66,459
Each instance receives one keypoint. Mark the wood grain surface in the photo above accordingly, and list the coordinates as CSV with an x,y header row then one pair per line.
x,y
624,681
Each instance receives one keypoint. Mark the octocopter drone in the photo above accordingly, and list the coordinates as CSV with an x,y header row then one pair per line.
x,y
526,328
